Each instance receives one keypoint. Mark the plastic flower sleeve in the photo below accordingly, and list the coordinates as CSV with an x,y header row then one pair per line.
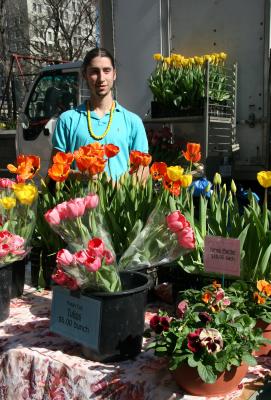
x,y
77,221
18,210
164,239
92,269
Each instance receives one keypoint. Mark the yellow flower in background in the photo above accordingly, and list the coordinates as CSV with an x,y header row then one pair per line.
x,y
186,180
25,193
8,202
223,56
167,60
158,57
217,179
175,173
264,178
207,57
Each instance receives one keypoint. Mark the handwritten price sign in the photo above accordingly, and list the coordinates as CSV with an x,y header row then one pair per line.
x,y
222,255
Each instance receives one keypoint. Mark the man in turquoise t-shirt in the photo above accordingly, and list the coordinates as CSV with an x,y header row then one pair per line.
x,y
101,119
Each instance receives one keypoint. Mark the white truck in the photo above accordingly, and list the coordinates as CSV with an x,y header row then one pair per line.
x,y
134,31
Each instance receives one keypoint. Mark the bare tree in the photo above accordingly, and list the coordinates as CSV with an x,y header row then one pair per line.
x,y
64,30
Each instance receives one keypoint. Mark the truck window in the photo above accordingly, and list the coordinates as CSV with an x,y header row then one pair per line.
x,y
52,95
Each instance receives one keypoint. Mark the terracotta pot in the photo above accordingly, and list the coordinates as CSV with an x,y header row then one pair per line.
x,y
265,349
188,379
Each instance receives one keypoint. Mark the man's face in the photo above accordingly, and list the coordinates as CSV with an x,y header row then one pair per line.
x,y
100,76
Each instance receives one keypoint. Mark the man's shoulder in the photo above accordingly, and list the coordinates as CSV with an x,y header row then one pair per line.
x,y
74,113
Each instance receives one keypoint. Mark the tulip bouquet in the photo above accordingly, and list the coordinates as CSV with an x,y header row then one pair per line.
x,y
168,232
90,269
210,335
78,220
164,239
12,247
91,263
18,204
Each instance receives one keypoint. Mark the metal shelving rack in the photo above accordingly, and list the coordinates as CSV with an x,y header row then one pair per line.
x,y
218,118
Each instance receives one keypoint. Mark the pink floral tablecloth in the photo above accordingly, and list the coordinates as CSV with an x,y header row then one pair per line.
x,y
39,365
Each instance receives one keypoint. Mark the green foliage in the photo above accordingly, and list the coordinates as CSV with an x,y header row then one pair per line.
x,y
220,215
210,336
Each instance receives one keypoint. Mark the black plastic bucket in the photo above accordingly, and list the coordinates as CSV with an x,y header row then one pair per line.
x,y
5,290
109,326
18,278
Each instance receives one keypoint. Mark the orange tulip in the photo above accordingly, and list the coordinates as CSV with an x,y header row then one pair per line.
x,y
173,187
146,159
63,158
27,166
95,149
59,172
96,166
135,158
84,162
158,170
111,150
192,152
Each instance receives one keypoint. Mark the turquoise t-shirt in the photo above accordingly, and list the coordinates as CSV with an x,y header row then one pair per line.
x,y
127,132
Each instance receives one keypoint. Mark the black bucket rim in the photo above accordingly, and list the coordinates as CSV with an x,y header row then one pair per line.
x,y
138,289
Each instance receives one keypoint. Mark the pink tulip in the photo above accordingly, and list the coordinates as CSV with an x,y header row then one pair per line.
x,y
4,235
91,201
18,252
75,208
17,241
64,257
186,238
4,250
176,221
61,208
81,256
109,257
6,183
96,245
52,216
71,283
92,264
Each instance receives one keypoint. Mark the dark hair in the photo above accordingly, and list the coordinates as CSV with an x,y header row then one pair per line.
x,y
96,52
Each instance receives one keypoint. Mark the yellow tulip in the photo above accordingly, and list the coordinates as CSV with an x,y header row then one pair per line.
x,y
207,57
8,202
217,179
264,178
233,186
175,173
158,57
223,56
25,193
186,180
167,60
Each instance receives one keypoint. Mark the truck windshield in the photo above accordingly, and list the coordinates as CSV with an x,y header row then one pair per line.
x,y
52,95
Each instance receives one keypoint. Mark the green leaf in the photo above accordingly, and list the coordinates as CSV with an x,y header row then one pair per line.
x,y
206,373
249,359
264,263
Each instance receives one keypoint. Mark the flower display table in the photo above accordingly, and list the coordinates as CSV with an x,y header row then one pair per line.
x,y
36,364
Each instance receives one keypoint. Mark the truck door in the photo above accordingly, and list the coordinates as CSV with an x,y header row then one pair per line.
x,y
242,30
52,93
